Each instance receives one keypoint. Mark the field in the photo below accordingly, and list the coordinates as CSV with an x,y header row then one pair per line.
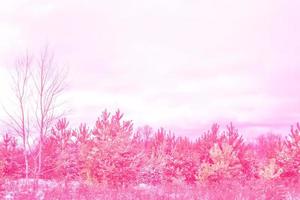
x,y
75,190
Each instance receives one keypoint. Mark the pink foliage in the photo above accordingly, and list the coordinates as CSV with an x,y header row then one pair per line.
x,y
113,155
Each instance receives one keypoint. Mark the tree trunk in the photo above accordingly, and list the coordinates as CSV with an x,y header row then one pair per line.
x,y
39,161
26,162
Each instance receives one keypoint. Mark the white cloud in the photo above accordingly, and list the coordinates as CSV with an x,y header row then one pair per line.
x,y
165,62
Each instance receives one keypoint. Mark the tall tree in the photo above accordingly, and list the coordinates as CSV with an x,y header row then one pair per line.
x,y
49,81
19,120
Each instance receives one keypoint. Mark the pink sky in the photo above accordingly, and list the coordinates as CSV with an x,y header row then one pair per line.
x,y
180,64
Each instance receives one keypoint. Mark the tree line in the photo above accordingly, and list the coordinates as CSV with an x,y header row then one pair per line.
x,y
114,154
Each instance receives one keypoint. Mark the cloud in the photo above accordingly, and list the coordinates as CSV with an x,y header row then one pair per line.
x,y
169,63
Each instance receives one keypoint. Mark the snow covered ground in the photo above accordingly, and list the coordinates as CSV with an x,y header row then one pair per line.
x,y
48,189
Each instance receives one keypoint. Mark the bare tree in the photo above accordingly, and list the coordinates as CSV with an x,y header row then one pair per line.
x,y
49,81
19,121
37,86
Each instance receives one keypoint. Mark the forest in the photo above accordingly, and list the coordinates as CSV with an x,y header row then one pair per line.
x,y
145,164
43,157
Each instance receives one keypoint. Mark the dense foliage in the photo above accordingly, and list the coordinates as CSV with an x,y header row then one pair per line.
x,y
114,155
